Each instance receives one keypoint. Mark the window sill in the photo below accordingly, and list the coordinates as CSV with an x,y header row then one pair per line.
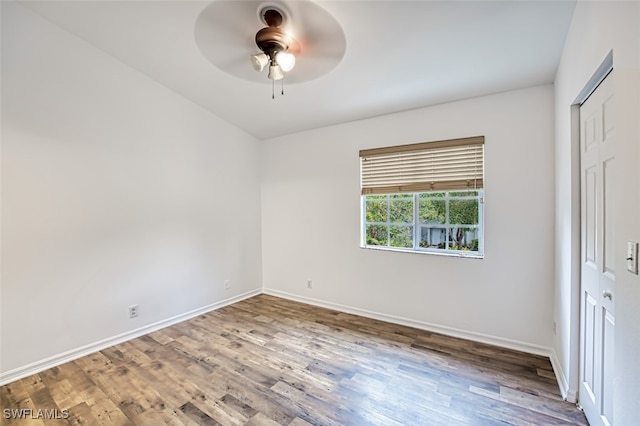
x,y
432,253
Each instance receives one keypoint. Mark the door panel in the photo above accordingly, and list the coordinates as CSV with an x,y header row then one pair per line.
x,y
608,230
607,365
589,213
589,332
598,186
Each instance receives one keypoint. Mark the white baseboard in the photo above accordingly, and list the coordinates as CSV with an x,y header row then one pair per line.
x,y
566,391
449,331
38,366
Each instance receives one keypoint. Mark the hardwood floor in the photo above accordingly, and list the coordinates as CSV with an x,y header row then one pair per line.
x,y
269,361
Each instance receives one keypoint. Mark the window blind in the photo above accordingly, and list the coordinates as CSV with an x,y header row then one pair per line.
x,y
456,164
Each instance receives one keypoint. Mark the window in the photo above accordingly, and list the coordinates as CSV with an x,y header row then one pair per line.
x,y
425,197
424,221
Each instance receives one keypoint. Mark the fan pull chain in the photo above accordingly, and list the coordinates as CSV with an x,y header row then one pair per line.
x,y
273,88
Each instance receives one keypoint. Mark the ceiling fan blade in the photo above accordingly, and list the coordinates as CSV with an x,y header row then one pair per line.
x,y
227,24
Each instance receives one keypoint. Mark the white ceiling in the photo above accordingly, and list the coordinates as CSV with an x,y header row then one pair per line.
x,y
399,55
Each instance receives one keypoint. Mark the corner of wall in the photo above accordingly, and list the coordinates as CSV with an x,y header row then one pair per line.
x,y
568,393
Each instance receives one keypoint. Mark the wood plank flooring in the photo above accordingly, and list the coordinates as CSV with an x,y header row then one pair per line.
x,y
270,361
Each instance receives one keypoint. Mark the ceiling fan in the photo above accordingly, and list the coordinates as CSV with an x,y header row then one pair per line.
x,y
276,35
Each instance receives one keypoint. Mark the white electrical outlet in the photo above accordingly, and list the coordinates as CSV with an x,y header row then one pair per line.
x,y
227,284
309,284
632,257
133,311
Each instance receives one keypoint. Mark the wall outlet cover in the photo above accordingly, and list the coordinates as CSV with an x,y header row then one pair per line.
x,y
632,257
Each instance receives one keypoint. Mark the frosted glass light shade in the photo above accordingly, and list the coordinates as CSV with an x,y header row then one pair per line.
x,y
259,61
275,73
285,60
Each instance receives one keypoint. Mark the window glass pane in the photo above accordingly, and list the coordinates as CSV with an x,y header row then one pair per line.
x,y
432,195
463,239
401,236
432,210
464,194
377,208
401,210
433,237
377,235
463,212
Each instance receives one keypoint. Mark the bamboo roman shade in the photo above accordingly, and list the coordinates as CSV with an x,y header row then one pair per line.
x,y
455,164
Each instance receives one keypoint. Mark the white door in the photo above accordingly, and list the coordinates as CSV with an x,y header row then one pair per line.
x,y
597,314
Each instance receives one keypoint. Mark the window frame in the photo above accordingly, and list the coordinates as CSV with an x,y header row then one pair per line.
x,y
417,225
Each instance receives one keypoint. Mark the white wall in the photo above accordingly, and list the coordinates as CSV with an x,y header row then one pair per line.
x,y
115,191
596,29
311,223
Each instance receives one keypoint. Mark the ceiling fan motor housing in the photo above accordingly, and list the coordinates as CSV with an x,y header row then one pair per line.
x,y
272,39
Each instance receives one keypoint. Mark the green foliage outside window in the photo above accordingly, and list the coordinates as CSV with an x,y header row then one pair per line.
x,y
377,235
377,208
401,236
